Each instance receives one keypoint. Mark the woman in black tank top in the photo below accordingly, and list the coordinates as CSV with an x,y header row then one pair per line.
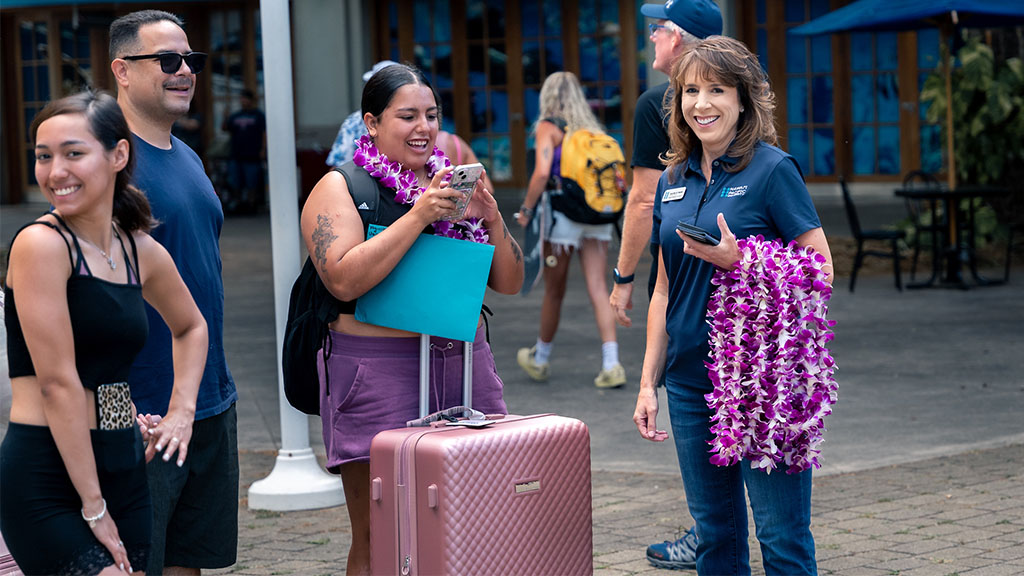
x,y
72,464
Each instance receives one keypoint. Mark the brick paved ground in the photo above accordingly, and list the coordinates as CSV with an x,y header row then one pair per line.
x,y
961,515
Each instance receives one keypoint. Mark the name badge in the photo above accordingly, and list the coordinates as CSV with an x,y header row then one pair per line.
x,y
673,194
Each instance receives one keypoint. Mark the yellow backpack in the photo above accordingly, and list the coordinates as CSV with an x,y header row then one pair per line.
x,y
593,178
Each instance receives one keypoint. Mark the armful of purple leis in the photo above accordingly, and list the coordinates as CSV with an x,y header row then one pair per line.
x,y
771,370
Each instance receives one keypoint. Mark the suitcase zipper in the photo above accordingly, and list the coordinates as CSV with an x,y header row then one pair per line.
x,y
405,511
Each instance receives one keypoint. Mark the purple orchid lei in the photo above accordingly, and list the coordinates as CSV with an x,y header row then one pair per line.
x,y
408,190
771,370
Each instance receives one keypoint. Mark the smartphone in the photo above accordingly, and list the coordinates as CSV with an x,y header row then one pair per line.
x,y
464,178
697,233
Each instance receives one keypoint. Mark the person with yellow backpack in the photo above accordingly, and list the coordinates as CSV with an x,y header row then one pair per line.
x,y
582,170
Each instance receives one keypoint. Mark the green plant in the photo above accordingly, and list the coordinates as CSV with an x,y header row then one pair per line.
x,y
988,114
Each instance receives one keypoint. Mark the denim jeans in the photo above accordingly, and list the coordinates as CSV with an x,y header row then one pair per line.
x,y
781,503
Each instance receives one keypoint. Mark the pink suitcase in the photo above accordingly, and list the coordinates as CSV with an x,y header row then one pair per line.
x,y
509,498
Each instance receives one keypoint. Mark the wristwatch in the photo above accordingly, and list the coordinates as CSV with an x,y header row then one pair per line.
x,y
619,279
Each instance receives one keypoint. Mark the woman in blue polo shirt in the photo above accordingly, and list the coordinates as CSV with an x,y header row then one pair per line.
x,y
723,167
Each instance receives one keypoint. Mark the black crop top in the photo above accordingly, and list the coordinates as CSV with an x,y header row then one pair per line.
x,y
108,320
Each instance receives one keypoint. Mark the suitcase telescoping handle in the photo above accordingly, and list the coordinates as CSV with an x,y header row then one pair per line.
x,y
467,374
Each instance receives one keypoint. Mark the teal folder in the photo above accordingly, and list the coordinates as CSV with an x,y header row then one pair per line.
x,y
436,289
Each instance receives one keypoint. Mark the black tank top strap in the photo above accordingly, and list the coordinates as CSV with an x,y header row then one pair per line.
x,y
133,270
71,257
79,265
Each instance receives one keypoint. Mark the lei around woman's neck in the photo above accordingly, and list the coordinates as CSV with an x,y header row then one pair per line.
x,y
407,188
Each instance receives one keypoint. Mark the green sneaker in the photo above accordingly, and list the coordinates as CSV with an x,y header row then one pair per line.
x,y
612,378
538,372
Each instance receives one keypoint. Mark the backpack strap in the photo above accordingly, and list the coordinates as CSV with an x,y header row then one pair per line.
x,y
363,189
560,122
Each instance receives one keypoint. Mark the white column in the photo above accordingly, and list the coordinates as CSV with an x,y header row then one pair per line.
x,y
297,481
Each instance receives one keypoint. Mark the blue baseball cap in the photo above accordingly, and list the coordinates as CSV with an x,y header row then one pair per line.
x,y
702,18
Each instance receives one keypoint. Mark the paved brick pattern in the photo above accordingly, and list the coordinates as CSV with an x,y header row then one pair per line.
x,y
961,515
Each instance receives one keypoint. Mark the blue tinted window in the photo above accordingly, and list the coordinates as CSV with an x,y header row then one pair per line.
x,y
499,111
609,14
477,75
553,17
888,98
43,77
28,82
759,9
448,112
888,149
443,66
799,149
421,10
762,47
31,155
28,48
821,91
795,11
531,62
588,66
500,162
553,55
612,101
475,19
923,106
610,60
30,115
531,100
67,40
928,48
796,55
796,100
821,53
530,16
481,148
863,101
478,104
885,50
496,18
861,47
588,18
824,151
498,63
423,60
863,148
931,148
442,21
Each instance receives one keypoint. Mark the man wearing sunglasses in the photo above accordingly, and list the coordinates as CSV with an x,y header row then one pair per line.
x,y
194,499
678,24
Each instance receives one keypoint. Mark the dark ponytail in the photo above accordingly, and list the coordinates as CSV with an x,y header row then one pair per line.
x,y
107,123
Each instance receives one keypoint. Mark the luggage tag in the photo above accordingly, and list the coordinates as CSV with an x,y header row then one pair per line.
x,y
471,423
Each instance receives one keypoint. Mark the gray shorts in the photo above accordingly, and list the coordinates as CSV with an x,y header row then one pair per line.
x,y
195,507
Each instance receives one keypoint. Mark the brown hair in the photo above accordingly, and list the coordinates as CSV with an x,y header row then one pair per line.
x,y
731,63
107,124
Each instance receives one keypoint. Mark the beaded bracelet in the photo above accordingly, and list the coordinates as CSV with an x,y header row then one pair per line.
x,y
92,520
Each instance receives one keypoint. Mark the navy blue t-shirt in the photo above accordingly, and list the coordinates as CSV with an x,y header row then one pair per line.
x,y
768,197
190,215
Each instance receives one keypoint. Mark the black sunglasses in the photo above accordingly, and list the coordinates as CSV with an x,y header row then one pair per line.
x,y
170,62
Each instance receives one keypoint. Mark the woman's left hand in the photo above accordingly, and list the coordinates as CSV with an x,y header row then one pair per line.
x,y
482,205
724,255
169,434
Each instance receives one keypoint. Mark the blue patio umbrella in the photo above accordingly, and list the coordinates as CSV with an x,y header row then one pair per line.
x,y
902,15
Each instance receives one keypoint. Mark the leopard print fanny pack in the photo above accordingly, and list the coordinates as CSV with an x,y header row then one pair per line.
x,y
114,406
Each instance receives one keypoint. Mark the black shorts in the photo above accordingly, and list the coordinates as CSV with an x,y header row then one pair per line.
x,y
195,507
41,513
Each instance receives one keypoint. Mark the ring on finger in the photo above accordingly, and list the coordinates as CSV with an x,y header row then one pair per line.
x,y
120,544
175,439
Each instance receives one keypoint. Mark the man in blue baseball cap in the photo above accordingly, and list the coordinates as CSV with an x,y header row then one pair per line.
x,y
679,24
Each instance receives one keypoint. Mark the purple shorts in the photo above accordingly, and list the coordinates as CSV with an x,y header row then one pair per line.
x,y
375,386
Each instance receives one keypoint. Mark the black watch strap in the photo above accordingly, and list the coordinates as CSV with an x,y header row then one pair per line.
x,y
619,279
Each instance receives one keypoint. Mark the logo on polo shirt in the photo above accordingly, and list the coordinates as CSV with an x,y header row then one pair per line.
x,y
733,191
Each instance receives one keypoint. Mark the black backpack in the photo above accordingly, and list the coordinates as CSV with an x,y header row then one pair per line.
x,y
311,307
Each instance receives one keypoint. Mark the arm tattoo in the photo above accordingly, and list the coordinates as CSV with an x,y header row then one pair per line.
x,y
322,239
512,243
545,152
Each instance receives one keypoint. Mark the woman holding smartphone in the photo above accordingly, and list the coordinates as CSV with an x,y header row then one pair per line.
x,y
370,380
723,166
75,498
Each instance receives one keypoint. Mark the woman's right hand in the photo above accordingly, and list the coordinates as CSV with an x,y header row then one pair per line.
x,y
106,532
646,415
437,201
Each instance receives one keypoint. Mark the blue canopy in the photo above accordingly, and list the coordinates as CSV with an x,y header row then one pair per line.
x,y
898,15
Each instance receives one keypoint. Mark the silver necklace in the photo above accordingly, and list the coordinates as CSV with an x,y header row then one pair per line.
x,y
108,257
